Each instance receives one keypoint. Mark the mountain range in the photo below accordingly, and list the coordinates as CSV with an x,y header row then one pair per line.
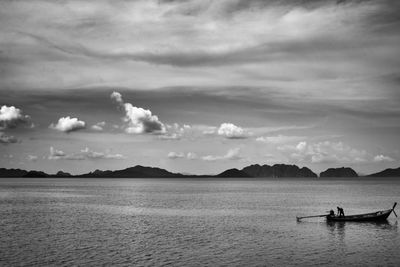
x,y
252,171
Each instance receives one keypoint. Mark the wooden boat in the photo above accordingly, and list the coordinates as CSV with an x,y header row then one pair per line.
x,y
377,216
381,215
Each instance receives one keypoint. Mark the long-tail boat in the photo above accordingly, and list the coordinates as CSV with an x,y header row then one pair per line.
x,y
377,216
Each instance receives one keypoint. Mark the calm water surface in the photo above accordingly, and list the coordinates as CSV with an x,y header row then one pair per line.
x,y
193,222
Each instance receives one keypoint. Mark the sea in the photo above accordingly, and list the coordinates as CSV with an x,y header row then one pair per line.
x,y
195,222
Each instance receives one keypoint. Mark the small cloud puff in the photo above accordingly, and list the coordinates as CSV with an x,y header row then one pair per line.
x,y
11,116
175,155
99,126
32,158
209,130
56,154
231,131
68,124
232,154
99,155
191,156
117,97
382,158
139,120
180,155
176,131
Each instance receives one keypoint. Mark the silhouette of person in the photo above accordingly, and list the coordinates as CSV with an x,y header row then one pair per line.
x,y
341,212
331,213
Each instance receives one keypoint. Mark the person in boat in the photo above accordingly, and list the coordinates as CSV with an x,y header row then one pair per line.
x,y
340,212
331,213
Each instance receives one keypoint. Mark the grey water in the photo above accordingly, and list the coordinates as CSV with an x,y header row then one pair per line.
x,y
195,222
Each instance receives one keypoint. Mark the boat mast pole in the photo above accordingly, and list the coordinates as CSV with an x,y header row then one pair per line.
x,y
313,216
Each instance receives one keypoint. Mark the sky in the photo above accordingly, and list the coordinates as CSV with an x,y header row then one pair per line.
x,y
199,86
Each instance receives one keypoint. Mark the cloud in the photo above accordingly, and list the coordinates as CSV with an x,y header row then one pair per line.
x,y
67,124
7,139
281,36
99,155
175,155
191,156
180,155
232,154
117,97
32,158
301,146
176,131
139,120
382,158
98,126
209,130
231,131
11,116
84,154
325,152
56,154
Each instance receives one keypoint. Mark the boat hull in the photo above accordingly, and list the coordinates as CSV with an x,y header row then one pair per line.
x,y
367,217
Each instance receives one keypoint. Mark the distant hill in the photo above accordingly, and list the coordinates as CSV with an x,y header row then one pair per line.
x,y
12,172
63,174
278,170
339,172
36,174
255,171
18,173
133,172
387,173
233,173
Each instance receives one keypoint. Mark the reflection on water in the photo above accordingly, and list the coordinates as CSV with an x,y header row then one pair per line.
x,y
193,222
339,228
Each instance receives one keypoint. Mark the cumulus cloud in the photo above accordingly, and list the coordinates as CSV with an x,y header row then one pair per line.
x,y
68,124
56,154
231,131
139,120
83,154
11,116
117,97
175,155
301,146
7,139
99,126
382,158
232,154
176,131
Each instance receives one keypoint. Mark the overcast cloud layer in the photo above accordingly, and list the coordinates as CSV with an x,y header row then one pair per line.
x,y
314,83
